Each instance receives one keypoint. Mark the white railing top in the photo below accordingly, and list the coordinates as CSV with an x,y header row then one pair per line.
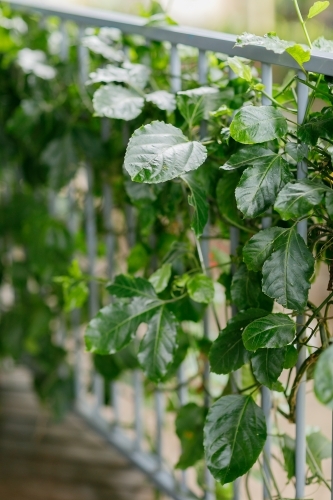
x,y
321,62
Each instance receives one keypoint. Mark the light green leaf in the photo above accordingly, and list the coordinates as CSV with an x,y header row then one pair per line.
x,y
256,124
99,46
272,331
245,156
270,41
201,288
190,422
260,247
322,44
196,104
260,184
267,366
163,100
299,53
136,75
158,346
233,422
317,8
160,278
198,200
318,448
74,287
284,281
297,199
228,353
116,324
114,101
239,68
159,152
125,285
323,378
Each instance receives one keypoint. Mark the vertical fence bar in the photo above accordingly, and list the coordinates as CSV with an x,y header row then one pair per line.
x,y
64,44
159,411
266,401
302,229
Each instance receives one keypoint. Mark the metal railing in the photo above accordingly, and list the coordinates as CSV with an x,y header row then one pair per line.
x,y
152,464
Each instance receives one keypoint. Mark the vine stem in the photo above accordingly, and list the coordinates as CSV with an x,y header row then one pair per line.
x,y
301,20
315,313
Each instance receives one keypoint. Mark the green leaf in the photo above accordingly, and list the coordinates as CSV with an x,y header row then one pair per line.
x,y
323,378
159,152
272,331
234,424
138,258
260,247
114,101
296,151
260,184
256,124
245,156
226,201
318,125
240,69
297,199
61,157
318,448
116,324
288,270
74,287
163,100
198,200
300,54
267,366
190,422
228,353
132,74
140,193
125,286
158,346
270,41
288,450
160,278
245,288
317,8
100,46
201,288
196,104
322,44
329,203
291,357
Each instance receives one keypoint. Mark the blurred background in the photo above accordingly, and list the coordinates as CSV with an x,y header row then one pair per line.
x,y
236,16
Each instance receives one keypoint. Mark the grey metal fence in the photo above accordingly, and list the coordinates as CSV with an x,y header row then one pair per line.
x,y
90,406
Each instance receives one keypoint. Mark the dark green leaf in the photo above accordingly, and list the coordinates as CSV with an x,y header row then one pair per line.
x,y
329,203
226,201
234,424
267,366
116,324
61,157
288,450
195,104
201,288
125,286
114,101
297,199
198,200
189,428
159,152
228,353
260,184
272,331
318,125
256,124
291,357
296,151
288,270
323,378
245,288
245,156
161,278
138,258
260,247
158,346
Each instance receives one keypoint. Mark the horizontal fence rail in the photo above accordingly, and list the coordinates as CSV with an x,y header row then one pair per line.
x,y
204,40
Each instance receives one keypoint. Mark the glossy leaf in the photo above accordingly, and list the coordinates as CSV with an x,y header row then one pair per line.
x,y
272,331
195,104
246,156
234,424
323,44
257,124
317,8
159,152
125,285
270,41
318,125
267,366
116,324
296,151
198,200
158,346
160,278
163,100
291,356
201,288
283,280
190,422
260,184
245,288
228,353
136,75
323,378
297,199
114,101
260,247
226,201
